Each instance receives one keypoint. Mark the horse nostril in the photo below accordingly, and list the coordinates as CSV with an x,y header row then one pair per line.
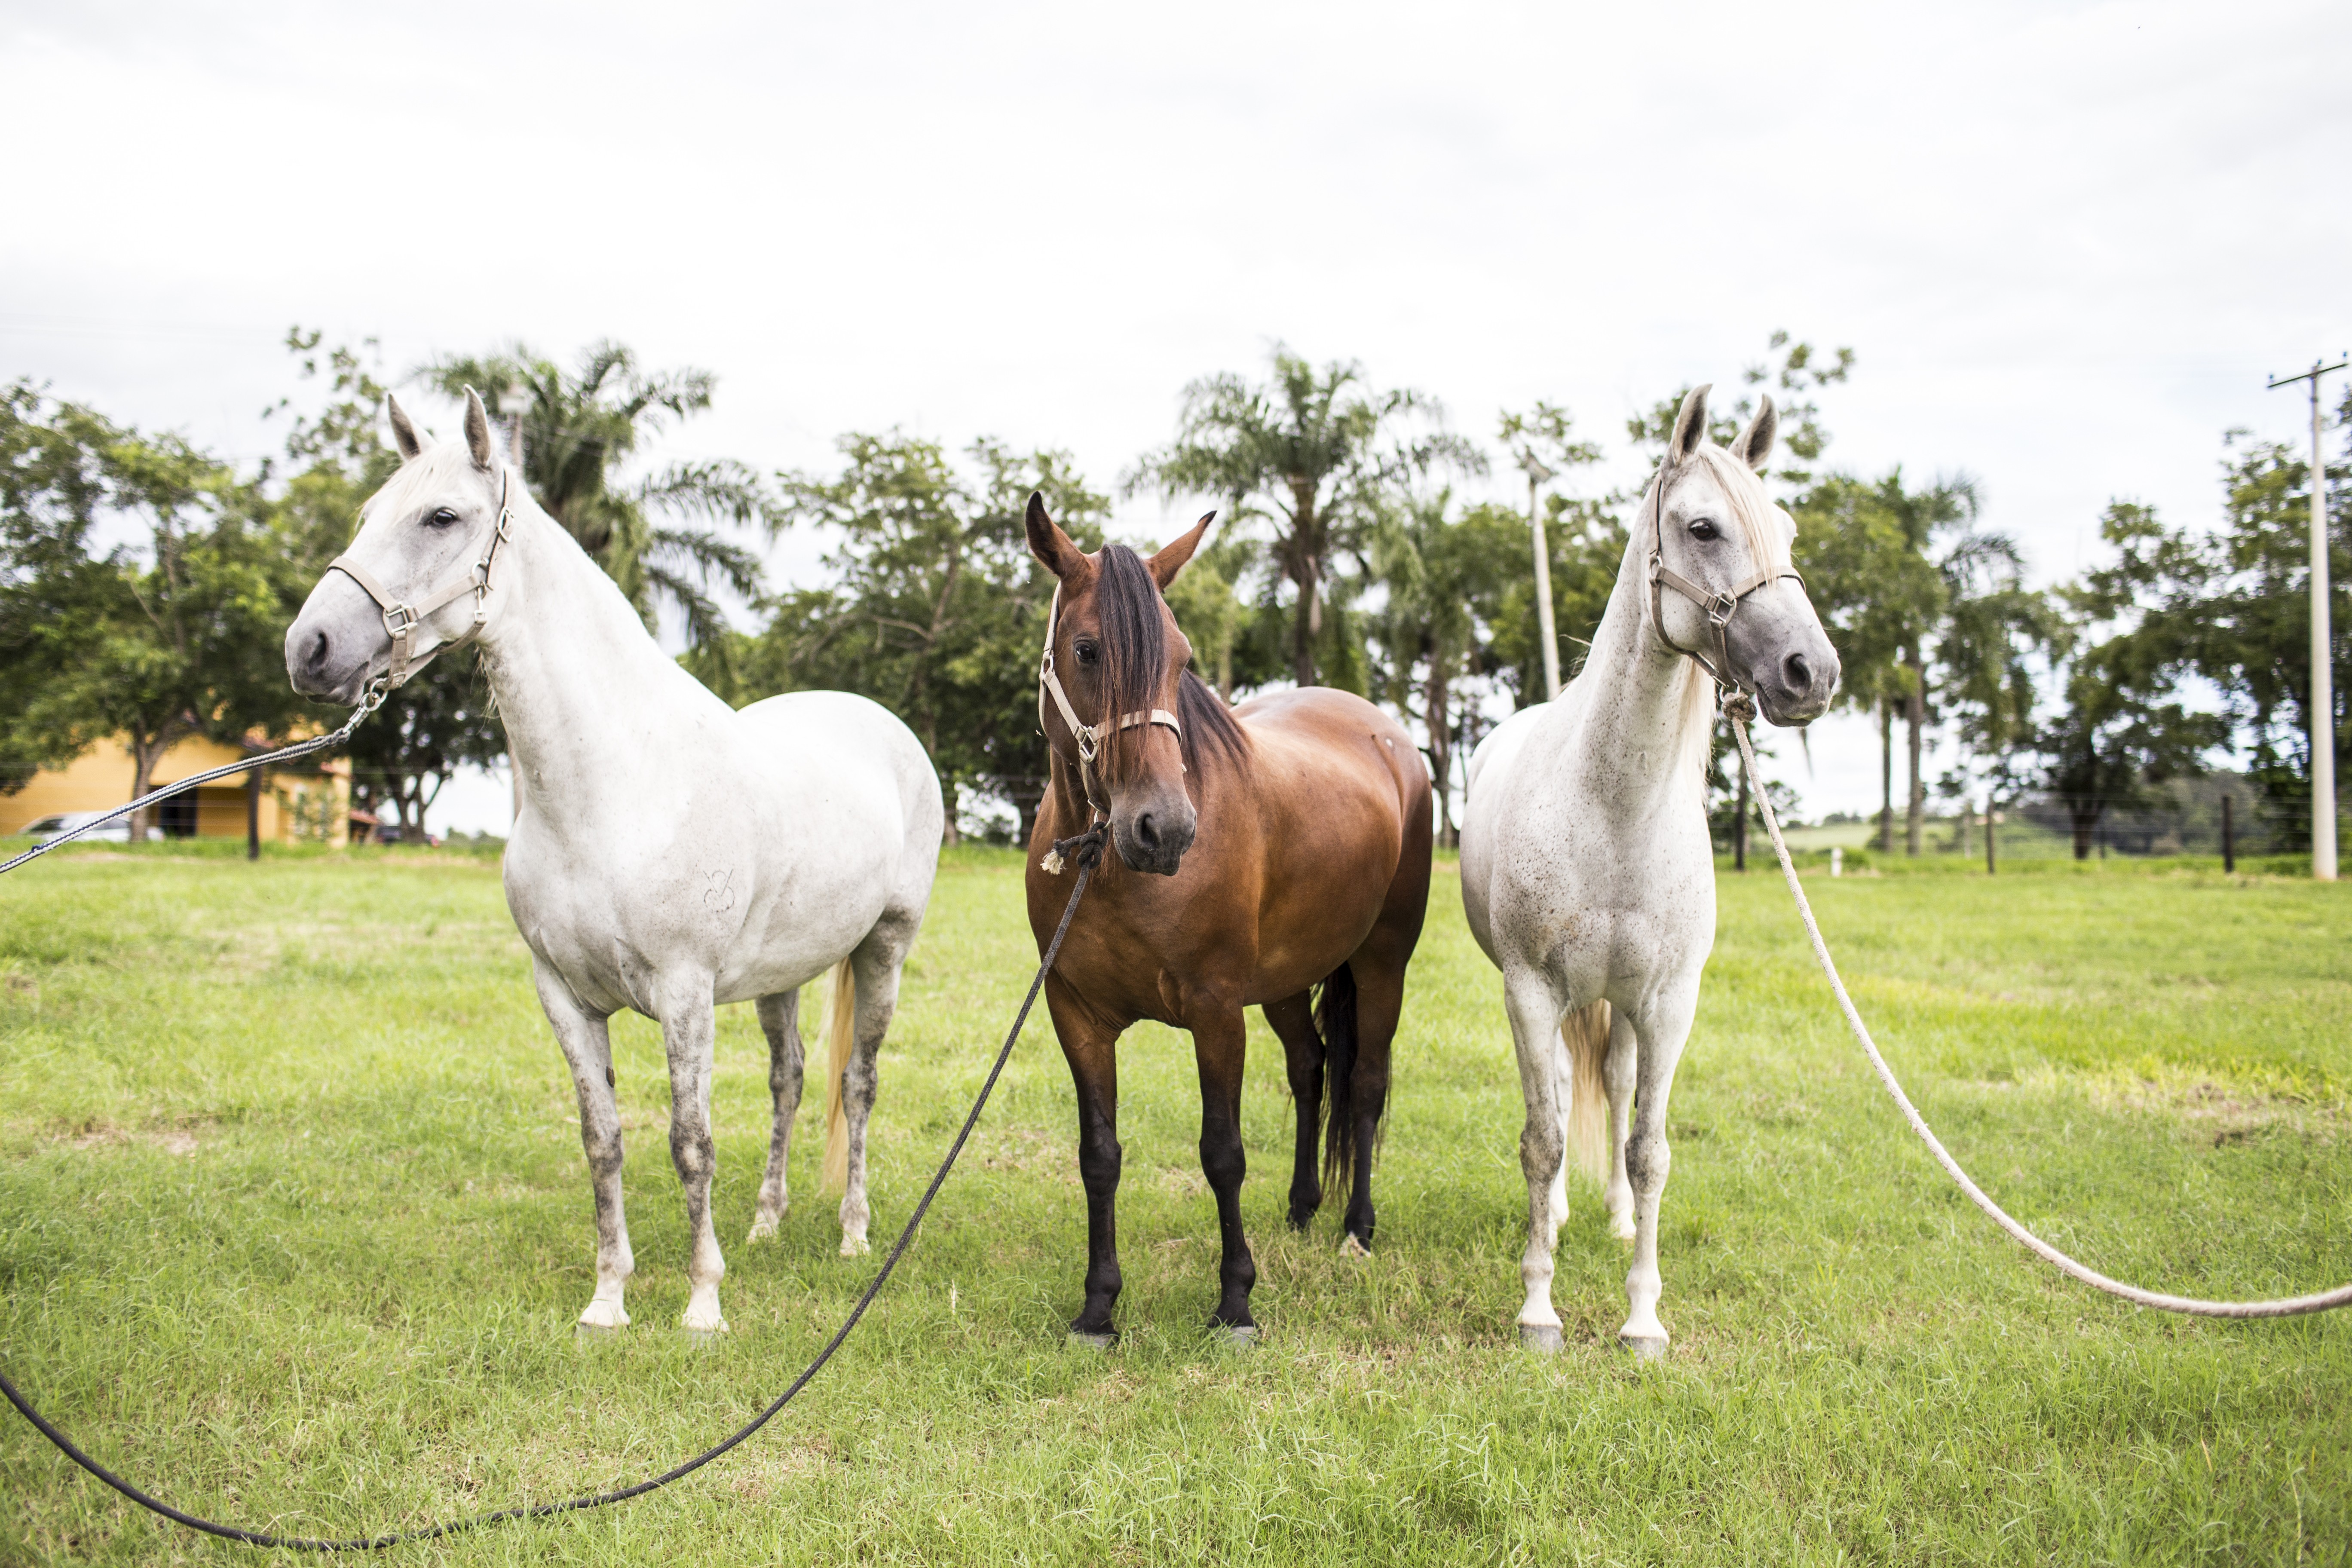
x,y
1797,675
1146,832
319,652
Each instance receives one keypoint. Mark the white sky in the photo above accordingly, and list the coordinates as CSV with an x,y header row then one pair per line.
x,y
2068,242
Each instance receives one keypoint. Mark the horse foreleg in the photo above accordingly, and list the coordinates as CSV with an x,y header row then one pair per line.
x,y
1617,1075
688,1032
588,1049
1292,1021
877,965
1534,1013
1662,1030
1090,1045
779,1020
1218,1046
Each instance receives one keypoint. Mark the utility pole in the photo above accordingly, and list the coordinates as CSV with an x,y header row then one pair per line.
x,y
1537,475
2323,683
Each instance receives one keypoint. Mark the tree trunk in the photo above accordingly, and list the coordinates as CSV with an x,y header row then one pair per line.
x,y
2084,820
143,758
1306,570
1740,826
1915,717
253,815
1224,675
1435,714
1885,778
948,837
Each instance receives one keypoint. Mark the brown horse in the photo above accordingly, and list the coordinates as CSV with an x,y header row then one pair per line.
x,y
1261,851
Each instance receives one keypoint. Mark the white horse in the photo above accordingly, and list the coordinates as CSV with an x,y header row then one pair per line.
x,y
667,852
1587,869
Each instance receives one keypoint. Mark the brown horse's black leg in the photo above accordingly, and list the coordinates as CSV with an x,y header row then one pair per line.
x,y
1380,998
1217,1045
1092,1050
1293,1018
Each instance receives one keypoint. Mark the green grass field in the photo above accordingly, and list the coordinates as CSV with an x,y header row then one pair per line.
x,y
294,1223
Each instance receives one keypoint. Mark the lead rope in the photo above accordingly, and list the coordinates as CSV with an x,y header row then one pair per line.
x,y
1740,709
1087,848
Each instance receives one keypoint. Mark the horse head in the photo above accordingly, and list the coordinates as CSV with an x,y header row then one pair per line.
x,y
1722,587
1112,684
419,574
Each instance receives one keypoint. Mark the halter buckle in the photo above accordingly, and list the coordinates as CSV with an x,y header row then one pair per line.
x,y
401,619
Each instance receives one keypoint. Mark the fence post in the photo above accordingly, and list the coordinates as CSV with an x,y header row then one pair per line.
x,y
1990,865
2229,839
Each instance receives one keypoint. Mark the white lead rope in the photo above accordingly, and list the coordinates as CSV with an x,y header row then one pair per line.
x,y
2291,1307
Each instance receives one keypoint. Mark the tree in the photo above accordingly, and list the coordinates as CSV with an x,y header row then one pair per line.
x,y
1320,448
580,429
936,611
2120,727
1543,443
1445,582
148,645
1801,371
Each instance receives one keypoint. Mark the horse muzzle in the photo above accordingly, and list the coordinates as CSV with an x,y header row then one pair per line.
x,y
1153,836
1797,687
338,643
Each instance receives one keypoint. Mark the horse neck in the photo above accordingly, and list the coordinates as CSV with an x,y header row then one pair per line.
x,y
568,657
1637,699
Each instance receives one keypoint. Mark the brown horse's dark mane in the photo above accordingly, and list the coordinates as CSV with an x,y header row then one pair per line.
x,y
1135,668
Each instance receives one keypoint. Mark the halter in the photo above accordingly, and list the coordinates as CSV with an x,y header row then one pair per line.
x,y
1717,608
1089,737
401,620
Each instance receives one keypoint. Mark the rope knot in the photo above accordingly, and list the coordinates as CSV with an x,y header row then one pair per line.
x,y
1087,846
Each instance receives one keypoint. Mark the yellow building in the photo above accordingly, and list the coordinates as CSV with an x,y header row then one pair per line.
x,y
307,803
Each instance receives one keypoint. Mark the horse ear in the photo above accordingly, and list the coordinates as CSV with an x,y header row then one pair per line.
x,y
1172,559
1690,425
478,428
1754,447
404,433
1054,548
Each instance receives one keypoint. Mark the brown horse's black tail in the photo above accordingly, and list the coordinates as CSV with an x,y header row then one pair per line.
x,y
1334,1025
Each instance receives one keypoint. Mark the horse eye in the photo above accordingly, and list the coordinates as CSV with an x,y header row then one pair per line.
x,y
442,517
1703,529
1087,651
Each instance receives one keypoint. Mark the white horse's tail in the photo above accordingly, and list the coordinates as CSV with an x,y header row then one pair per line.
x,y
1585,1033
840,1039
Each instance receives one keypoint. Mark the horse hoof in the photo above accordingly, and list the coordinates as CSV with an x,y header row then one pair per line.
x,y
603,1317
854,1247
1352,1247
1236,1336
1645,1347
1544,1339
764,1228
1080,1340
703,1339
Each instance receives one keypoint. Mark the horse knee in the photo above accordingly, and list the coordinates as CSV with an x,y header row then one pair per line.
x,y
1223,1161
1098,1165
1647,1161
1541,1148
690,1151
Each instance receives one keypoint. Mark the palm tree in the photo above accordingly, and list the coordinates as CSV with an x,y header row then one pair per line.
x,y
1321,446
578,431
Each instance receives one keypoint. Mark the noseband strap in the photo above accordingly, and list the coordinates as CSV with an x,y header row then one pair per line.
x,y
1089,737
1718,608
401,619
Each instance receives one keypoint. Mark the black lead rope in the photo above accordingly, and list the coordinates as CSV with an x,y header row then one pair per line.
x,y
1087,848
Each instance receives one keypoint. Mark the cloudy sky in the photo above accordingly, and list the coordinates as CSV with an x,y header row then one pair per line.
x,y
2067,242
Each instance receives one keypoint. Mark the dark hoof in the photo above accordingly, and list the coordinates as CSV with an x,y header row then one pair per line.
x,y
1301,1218
1080,1339
1544,1339
1645,1347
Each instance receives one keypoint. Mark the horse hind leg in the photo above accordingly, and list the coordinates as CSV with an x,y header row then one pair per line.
x,y
780,1021
1371,1014
1617,1078
1292,1021
875,968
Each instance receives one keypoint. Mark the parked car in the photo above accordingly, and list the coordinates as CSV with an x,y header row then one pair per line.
x,y
60,822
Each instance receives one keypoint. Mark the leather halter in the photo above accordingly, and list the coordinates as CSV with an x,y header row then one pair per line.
x,y
1089,737
1718,608
401,620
